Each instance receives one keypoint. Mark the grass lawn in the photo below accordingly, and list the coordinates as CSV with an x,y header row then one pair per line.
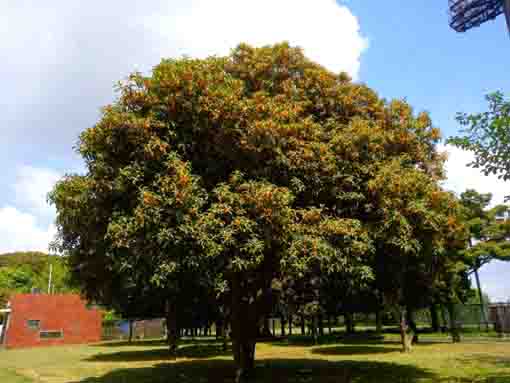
x,y
283,361
9,376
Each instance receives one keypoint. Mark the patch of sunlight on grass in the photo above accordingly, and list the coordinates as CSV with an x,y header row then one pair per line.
x,y
8,376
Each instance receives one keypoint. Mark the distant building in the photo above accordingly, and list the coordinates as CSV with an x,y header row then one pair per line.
x,y
42,320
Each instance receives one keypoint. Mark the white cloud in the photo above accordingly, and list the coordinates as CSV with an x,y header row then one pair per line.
x,y
461,177
328,32
64,57
494,280
29,224
32,186
19,232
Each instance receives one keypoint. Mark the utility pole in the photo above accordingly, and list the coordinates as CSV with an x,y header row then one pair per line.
x,y
49,279
480,294
482,303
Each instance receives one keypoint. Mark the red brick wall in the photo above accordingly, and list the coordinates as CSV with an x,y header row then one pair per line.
x,y
55,312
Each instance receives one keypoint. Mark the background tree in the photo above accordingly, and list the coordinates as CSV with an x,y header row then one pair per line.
x,y
489,233
21,272
487,135
421,225
477,220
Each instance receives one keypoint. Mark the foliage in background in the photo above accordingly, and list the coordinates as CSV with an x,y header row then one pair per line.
x,y
489,229
21,272
487,135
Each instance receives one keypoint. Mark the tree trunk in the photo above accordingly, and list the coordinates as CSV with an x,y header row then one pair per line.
x,y
329,325
445,319
412,325
282,325
224,338
320,324
454,330
378,322
244,325
218,327
266,328
290,325
405,337
349,323
434,317
315,324
130,339
482,303
302,325
171,328
244,356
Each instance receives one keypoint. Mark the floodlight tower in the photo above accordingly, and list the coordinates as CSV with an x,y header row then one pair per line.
x,y
467,14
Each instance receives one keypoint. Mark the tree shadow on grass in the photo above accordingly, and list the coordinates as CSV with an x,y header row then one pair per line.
x,y
365,337
198,351
154,342
355,350
125,343
369,343
301,340
270,370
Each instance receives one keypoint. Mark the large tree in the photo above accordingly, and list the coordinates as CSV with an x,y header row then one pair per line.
x,y
241,172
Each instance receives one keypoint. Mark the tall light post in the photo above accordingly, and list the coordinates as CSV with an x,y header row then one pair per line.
x,y
507,13
49,279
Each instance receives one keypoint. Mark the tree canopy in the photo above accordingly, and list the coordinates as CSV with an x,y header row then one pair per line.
x,y
242,172
489,229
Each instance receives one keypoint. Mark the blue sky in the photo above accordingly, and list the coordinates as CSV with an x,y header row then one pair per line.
x,y
414,54
60,60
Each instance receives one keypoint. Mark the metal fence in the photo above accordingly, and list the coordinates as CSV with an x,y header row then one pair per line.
x,y
499,314
468,318
140,329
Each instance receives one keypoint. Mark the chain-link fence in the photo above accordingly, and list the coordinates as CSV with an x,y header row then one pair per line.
x,y
499,314
471,318
139,329
468,318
